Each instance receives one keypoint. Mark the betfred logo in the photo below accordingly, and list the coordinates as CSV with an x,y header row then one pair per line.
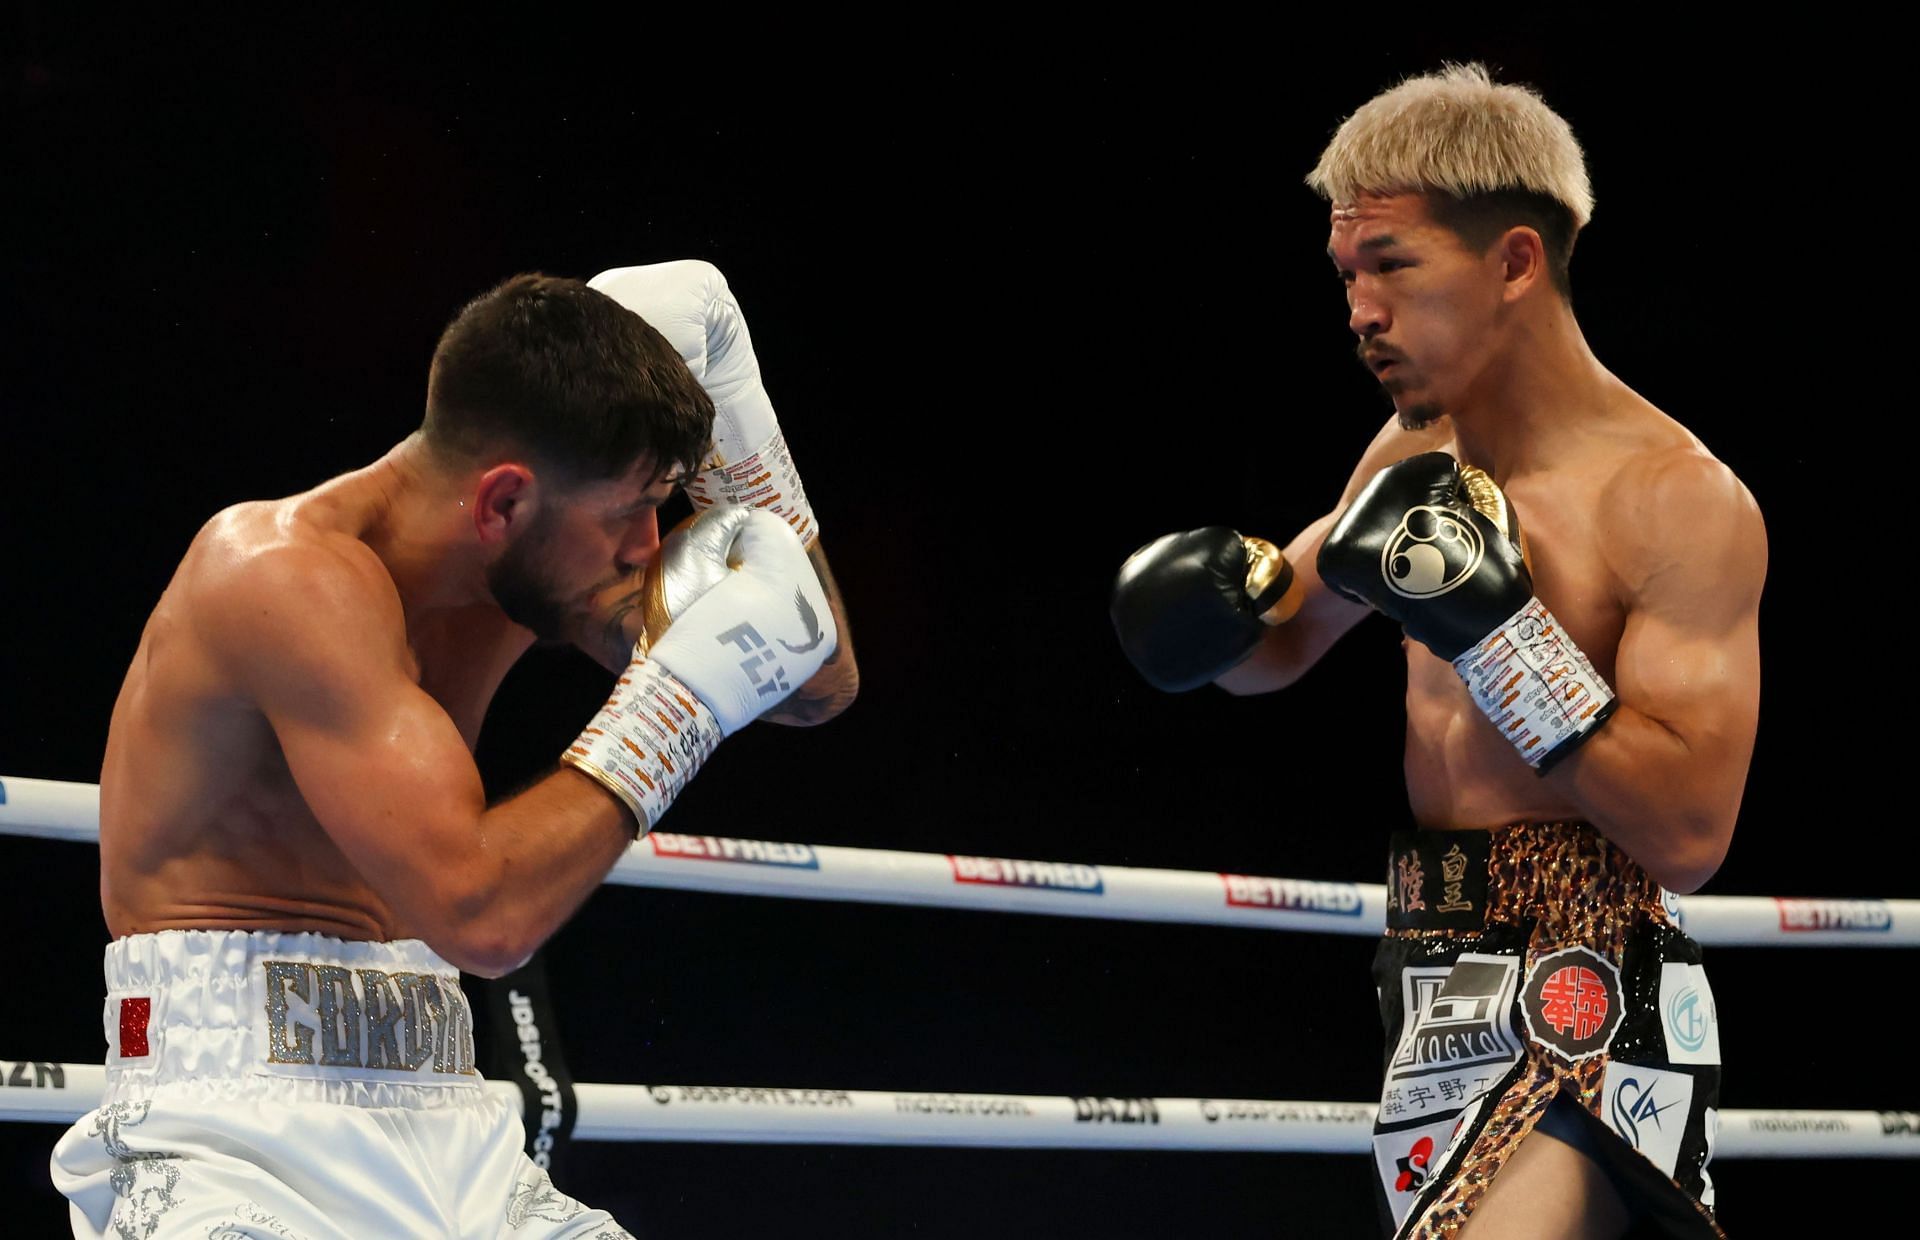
x,y
1834,916
748,852
1051,875
1291,895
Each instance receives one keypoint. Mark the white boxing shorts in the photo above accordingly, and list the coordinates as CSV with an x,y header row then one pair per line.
x,y
295,1085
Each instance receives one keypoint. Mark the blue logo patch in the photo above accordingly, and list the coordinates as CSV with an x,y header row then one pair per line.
x,y
1643,1108
1687,1019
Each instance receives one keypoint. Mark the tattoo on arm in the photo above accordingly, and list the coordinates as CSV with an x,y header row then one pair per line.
x,y
833,688
611,642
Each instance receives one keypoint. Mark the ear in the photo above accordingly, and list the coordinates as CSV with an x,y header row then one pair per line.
x,y
505,497
1523,262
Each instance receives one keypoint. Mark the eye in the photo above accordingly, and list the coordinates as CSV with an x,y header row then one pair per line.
x,y
1390,264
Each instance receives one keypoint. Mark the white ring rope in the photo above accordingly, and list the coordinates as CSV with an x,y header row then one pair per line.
x,y
70,811
61,1093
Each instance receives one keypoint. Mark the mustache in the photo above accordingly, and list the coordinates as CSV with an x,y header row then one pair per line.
x,y
1370,354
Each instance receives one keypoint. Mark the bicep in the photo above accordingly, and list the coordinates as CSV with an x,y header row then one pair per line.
x,y
1689,655
384,770
1696,676
379,763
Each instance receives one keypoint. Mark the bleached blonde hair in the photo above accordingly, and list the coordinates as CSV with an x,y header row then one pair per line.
x,y
1460,132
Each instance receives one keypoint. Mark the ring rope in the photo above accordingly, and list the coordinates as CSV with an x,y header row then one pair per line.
x,y
71,811
62,1093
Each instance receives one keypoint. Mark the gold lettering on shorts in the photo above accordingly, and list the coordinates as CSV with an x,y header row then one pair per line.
x,y
382,1006
339,1017
416,1040
367,1018
1412,881
284,976
1453,874
459,1039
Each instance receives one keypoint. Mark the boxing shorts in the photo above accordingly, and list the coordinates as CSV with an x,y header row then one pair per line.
x,y
295,1085
1534,976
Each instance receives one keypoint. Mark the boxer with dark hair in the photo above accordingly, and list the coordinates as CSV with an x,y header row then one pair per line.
x,y
296,850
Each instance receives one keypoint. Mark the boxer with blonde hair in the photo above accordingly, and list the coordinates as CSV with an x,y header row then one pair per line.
x,y
1579,581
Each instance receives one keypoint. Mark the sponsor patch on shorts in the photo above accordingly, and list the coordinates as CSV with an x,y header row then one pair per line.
x,y
1457,1037
1648,1107
1573,1002
1407,1159
1687,1014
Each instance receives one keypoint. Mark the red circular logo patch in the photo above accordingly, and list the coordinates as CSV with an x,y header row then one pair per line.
x,y
1572,1002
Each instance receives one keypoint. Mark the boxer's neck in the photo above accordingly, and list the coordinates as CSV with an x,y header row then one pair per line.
x,y
1540,397
417,517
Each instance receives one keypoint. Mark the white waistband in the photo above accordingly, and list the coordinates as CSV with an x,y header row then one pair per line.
x,y
294,1016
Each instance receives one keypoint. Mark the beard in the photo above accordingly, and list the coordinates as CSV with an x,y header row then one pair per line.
x,y
1418,417
1412,417
523,590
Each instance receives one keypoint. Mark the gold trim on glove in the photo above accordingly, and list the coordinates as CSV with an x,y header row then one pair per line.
x,y
1267,564
1491,502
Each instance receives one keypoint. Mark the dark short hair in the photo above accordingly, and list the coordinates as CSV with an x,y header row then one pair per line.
x,y
1479,219
547,365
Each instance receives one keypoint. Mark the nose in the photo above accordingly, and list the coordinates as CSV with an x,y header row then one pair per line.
x,y
641,541
1366,311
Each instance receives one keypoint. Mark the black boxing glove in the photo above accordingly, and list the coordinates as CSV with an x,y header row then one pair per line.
x,y
1435,545
1189,606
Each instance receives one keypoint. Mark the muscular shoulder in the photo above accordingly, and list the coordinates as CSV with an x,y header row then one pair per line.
x,y
259,585
1674,518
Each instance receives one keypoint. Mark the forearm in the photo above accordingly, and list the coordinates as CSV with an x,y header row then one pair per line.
x,y
1660,799
538,855
832,689
1283,656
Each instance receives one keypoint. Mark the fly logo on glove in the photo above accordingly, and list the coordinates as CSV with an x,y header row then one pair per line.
x,y
748,639
1431,551
723,577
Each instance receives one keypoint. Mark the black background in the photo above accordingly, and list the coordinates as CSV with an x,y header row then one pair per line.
x,y
1023,301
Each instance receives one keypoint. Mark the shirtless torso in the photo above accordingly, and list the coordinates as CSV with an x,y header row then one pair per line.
x,y
202,823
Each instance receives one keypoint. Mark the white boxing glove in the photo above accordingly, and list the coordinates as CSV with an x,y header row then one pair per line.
x,y
740,647
692,560
689,303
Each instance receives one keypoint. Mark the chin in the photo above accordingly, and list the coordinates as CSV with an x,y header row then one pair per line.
x,y
1418,415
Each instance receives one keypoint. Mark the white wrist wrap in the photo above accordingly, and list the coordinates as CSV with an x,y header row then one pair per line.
x,y
647,741
764,478
1535,684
